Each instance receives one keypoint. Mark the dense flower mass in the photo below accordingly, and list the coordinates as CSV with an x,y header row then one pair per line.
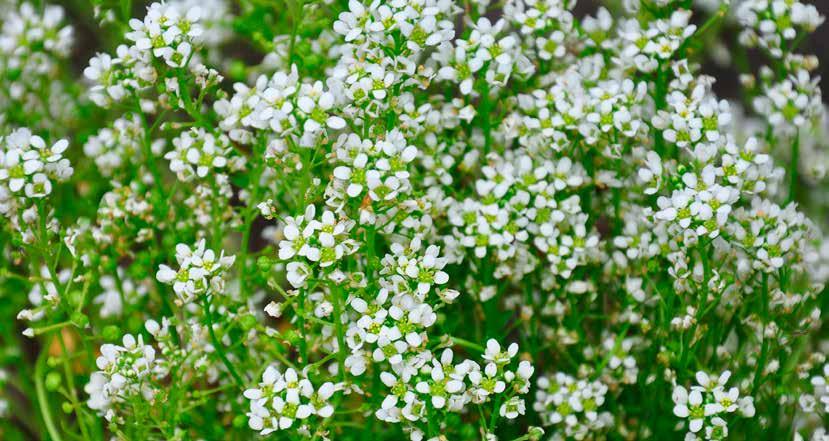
x,y
413,219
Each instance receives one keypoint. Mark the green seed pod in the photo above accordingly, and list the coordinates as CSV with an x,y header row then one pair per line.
x,y
237,70
265,263
248,322
52,381
292,337
75,298
79,319
111,333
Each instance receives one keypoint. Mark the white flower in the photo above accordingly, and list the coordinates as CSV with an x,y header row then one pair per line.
x,y
321,242
717,430
39,186
28,164
198,152
689,406
493,352
124,374
651,174
706,401
513,408
282,399
316,105
199,270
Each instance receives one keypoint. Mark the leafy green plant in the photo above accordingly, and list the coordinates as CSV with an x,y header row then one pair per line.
x,y
424,219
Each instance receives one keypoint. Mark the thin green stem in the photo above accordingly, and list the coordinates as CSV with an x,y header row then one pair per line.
x,y
52,327
764,305
466,344
300,312
217,344
793,165
296,7
42,399
485,113
73,391
249,217
336,297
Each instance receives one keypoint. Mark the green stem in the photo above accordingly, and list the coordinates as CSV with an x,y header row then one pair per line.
x,y
706,271
336,297
660,101
42,399
296,7
300,311
793,163
467,344
216,344
493,417
73,395
711,20
249,217
53,327
485,114
764,304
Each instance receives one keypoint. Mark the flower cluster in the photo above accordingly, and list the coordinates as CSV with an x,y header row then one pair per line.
x,y
114,145
125,372
708,403
342,219
307,241
200,271
378,169
35,45
29,164
28,169
415,391
298,113
573,403
773,25
792,103
525,203
168,32
282,399
198,153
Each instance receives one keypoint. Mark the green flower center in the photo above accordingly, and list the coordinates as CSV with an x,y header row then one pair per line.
x,y
488,384
289,410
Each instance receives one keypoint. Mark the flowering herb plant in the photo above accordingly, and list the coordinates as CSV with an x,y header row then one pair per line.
x,y
412,219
